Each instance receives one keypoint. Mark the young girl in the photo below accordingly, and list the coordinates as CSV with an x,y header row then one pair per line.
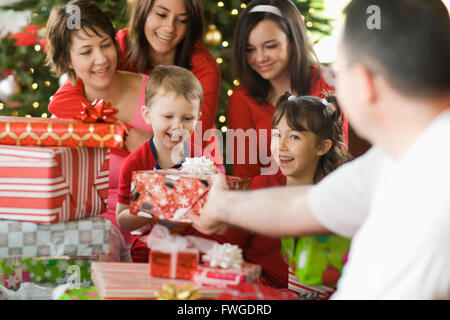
x,y
307,144
166,32
272,55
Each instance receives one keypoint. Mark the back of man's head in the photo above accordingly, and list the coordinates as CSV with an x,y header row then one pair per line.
x,y
406,41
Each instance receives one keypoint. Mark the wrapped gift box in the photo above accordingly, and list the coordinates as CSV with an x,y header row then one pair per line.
x,y
225,278
170,194
307,292
89,293
60,132
75,238
316,260
52,184
128,281
175,264
45,270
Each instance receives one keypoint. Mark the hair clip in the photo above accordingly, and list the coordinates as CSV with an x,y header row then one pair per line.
x,y
292,97
329,108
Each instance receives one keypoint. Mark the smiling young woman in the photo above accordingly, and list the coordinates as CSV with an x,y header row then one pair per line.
x,y
166,32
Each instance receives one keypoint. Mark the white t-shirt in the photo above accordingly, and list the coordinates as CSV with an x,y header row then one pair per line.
x,y
398,213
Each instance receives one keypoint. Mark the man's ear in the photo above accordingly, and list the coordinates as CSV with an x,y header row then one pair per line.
x,y
324,147
365,83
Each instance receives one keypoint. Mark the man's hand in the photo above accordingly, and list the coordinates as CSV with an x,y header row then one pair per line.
x,y
211,219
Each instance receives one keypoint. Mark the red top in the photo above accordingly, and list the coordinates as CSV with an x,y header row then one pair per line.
x,y
66,102
245,113
265,250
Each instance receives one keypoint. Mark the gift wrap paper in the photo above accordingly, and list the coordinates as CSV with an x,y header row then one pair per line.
x,y
316,260
75,238
60,132
170,195
52,184
55,271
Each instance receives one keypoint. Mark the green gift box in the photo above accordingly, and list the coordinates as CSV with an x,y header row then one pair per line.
x,y
316,260
48,270
89,293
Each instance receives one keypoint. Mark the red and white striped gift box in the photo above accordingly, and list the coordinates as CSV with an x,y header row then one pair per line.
x,y
319,292
52,184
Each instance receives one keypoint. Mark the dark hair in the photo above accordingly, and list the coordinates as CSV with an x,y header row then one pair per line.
x,y
411,49
302,56
138,46
59,34
323,118
173,79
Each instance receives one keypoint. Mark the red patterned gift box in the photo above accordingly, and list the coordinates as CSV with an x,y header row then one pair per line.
x,y
52,184
225,278
254,291
60,132
170,194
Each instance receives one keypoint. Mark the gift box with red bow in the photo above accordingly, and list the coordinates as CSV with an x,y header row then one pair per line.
x,y
95,127
52,184
171,194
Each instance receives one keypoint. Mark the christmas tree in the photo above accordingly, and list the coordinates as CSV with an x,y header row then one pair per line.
x,y
27,85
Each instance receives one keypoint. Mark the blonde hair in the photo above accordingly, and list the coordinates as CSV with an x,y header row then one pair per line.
x,y
173,79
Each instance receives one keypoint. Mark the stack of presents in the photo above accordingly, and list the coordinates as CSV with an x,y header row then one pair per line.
x,y
54,184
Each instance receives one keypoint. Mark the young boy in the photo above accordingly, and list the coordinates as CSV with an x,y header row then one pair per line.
x,y
173,100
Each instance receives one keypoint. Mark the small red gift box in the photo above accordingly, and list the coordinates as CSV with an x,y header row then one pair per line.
x,y
52,184
224,278
172,255
175,265
56,132
170,194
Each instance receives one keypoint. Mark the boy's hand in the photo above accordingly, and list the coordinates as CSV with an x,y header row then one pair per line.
x,y
211,219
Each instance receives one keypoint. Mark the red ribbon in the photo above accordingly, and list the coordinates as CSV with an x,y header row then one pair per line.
x,y
97,111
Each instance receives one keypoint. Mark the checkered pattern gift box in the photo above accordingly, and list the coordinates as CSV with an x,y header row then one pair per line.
x,y
46,271
74,238
224,267
52,184
58,132
171,194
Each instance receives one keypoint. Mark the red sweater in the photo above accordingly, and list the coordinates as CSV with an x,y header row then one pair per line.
x,y
265,250
66,102
245,113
